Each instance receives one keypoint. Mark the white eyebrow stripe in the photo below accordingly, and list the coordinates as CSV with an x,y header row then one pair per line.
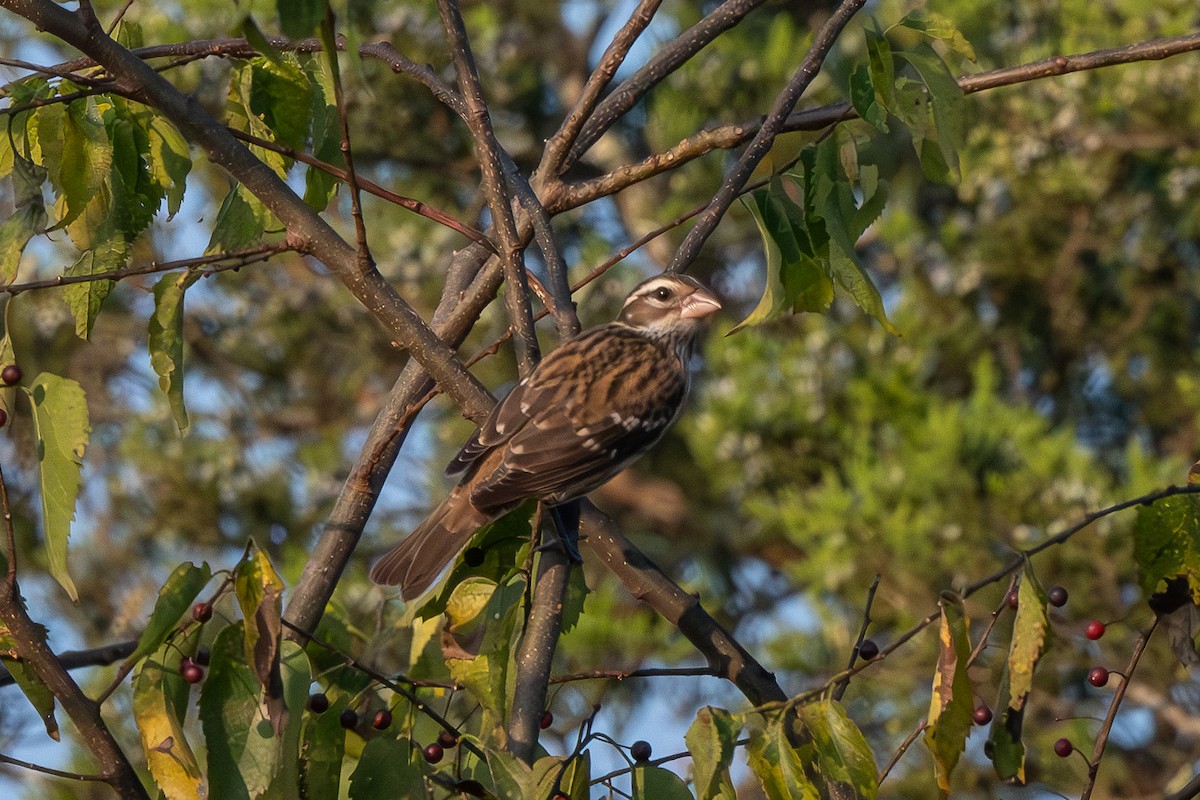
x,y
657,283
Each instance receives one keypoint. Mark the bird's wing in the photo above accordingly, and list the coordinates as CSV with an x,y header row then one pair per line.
x,y
585,415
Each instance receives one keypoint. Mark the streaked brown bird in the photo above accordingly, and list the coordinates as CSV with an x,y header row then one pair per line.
x,y
591,407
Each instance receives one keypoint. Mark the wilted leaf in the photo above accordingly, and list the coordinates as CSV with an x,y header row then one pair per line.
x,y
1031,631
259,593
166,340
60,418
27,219
156,691
951,703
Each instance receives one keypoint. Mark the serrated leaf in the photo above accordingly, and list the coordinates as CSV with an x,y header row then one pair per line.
x,y
76,151
945,108
60,419
166,340
259,592
240,222
156,691
951,703
319,185
865,99
881,67
1031,630
941,27
38,694
28,217
299,18
85,299
174,600
281,98
386,768
656,783
243,754
712,740
813,751
1166,543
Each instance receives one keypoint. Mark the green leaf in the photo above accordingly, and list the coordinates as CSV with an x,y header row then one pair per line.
x,y
939,27
1004,746
299,18
76,151
240,222
243,754
386,768
797,280
552,776
322,750
712,740
259,592
28,217
169,161
1166,543
174,600
166,340
512,778
477,641
35,691
157,689
85,299
281,98
1030,637
944,123
296,674
865,99
881,67
60,419
951,703
656,783
319,185
812,751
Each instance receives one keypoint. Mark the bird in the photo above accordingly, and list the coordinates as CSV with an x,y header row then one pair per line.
x,y
583,414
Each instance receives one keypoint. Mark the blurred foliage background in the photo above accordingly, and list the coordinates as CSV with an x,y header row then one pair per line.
x,y
1048,303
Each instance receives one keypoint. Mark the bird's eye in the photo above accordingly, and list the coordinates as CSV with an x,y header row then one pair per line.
x,y
662,293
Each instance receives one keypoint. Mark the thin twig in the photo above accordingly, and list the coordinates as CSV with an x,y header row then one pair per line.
x,y
840,688
901,750
650,672
1139,647
58,773
329,35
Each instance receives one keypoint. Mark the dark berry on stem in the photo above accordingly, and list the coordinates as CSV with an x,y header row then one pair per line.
x,y
1098,677
1057,596
10,375
318,703
433,753
1063,748
349,718
202,612
868,650
383,718
192,673
1012,599
1095,629
982,715
640,750
473,556
546,721
447,740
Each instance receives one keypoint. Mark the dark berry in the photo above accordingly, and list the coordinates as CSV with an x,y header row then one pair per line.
x,y
1098,677
383,719
1012,599
349,719
447,740
473,556
640,750
3,417
546,720
1063,748
192,673
185,662
1095,629
10,375
433,753
203,656
561,796
1057,596
202,612
982,715
868,650
318,703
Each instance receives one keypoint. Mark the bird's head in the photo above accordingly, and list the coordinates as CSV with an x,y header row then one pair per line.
x,y
672,307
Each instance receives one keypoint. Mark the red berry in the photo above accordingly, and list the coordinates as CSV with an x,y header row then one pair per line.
x,y
10,375
3,417
433,753
349,719
202,612
192,673
982,715
1095,629
868,650
1012,599
317,703
383,718
1098,677
184,662
640,750
447,740
546,721
1063,748
1057,596
561,796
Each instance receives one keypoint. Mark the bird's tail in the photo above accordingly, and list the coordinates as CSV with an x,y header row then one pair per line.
x,y
416,561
